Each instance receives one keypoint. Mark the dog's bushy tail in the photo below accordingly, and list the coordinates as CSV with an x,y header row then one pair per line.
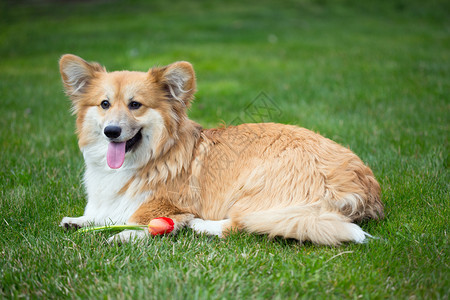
x,y
304,223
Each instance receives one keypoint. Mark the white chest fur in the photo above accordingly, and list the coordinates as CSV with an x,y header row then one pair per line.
x,y
107,204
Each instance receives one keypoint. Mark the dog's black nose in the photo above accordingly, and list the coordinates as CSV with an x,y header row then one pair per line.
x,y
112,131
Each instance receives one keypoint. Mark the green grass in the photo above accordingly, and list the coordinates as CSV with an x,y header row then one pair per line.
x,y
372,76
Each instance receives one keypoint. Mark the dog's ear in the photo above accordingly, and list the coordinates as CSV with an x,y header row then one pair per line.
x,y
178,81
77,74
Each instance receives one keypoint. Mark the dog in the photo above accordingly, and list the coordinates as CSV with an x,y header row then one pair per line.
x,y
146,159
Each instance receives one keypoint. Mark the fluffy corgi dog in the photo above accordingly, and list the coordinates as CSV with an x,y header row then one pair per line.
x,y
145,159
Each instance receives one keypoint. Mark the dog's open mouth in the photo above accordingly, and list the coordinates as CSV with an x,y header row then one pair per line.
x,y
116,151
133,141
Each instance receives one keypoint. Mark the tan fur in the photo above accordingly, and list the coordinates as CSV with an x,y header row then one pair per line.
x,y
267,178
154,209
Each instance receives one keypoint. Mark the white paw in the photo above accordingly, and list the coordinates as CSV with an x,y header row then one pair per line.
x,y
358,235
127,236
68,222
207,226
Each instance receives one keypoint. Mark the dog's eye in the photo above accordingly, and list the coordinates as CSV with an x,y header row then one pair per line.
x,y
134,105
105,104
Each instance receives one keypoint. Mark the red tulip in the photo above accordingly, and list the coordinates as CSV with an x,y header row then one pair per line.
x,y
160,226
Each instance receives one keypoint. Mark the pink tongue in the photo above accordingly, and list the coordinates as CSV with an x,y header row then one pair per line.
x,y
116,155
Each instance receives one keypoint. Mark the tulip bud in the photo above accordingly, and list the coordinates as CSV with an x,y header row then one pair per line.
x,y
160,226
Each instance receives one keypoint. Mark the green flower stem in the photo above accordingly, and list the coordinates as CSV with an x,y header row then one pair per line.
x,y
113,228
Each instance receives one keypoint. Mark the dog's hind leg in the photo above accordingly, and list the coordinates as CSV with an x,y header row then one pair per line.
x,y
304,223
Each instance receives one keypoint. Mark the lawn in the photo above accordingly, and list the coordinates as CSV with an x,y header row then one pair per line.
x,y
373,76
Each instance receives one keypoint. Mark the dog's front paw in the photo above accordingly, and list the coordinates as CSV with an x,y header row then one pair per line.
x,y
128,236
68,222
208,227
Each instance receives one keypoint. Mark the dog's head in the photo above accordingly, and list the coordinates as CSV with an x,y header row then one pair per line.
x,y
127,113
